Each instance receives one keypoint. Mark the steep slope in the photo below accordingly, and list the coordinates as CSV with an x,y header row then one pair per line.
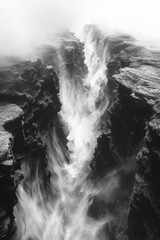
x,y
33,87
134,140
127,153
10,176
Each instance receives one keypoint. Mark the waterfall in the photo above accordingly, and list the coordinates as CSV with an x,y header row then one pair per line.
x,y
60,212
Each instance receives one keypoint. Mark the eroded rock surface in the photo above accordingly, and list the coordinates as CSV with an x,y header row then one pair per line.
x,y
130,144
10,121
135,119
29,102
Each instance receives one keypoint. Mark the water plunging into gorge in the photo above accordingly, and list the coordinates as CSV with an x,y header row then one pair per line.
x,y
59,210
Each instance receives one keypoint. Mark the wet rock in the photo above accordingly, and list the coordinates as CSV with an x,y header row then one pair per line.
x,y
4,227
132,145
143,82
134,117
10,113
145,200
103,159
10,121
29,103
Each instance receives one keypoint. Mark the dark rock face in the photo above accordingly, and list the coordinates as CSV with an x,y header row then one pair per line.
x,y
131,140
134,78
10,176
33,88
145,198
68,56
73,57
130,145
29,94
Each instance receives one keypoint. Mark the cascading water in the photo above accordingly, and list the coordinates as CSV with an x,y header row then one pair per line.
x,y
61,212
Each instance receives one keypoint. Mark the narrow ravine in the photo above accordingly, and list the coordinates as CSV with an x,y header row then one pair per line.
x,y
62,212
79,145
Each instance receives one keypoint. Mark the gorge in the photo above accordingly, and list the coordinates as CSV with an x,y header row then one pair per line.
x,y
79,144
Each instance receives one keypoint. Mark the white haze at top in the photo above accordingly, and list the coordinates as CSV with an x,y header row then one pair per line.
x,y
25,24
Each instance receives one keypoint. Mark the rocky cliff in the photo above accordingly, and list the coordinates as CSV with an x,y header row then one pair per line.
x,y
133,143
29,102
129,147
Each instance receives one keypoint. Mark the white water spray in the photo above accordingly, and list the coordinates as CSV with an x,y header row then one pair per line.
x,y
84,105
63,213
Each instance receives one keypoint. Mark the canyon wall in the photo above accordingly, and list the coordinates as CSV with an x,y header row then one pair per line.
x,y
28,107
134,139
130,142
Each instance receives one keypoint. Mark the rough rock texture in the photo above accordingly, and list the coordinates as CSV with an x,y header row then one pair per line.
x,y
130,144
134,75
68,55
34,87
10,122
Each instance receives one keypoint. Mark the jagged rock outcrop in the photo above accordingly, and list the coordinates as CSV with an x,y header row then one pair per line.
x,y
131,142
29,104
33,88
134,140
67,56
10,122
144,218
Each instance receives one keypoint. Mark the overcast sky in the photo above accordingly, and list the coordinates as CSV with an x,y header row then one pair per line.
x,y
28,23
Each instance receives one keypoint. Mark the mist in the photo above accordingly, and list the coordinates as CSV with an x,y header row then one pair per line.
x,y
80,139
27,24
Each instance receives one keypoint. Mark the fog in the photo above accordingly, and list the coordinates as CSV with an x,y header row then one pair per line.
x,y
25,24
